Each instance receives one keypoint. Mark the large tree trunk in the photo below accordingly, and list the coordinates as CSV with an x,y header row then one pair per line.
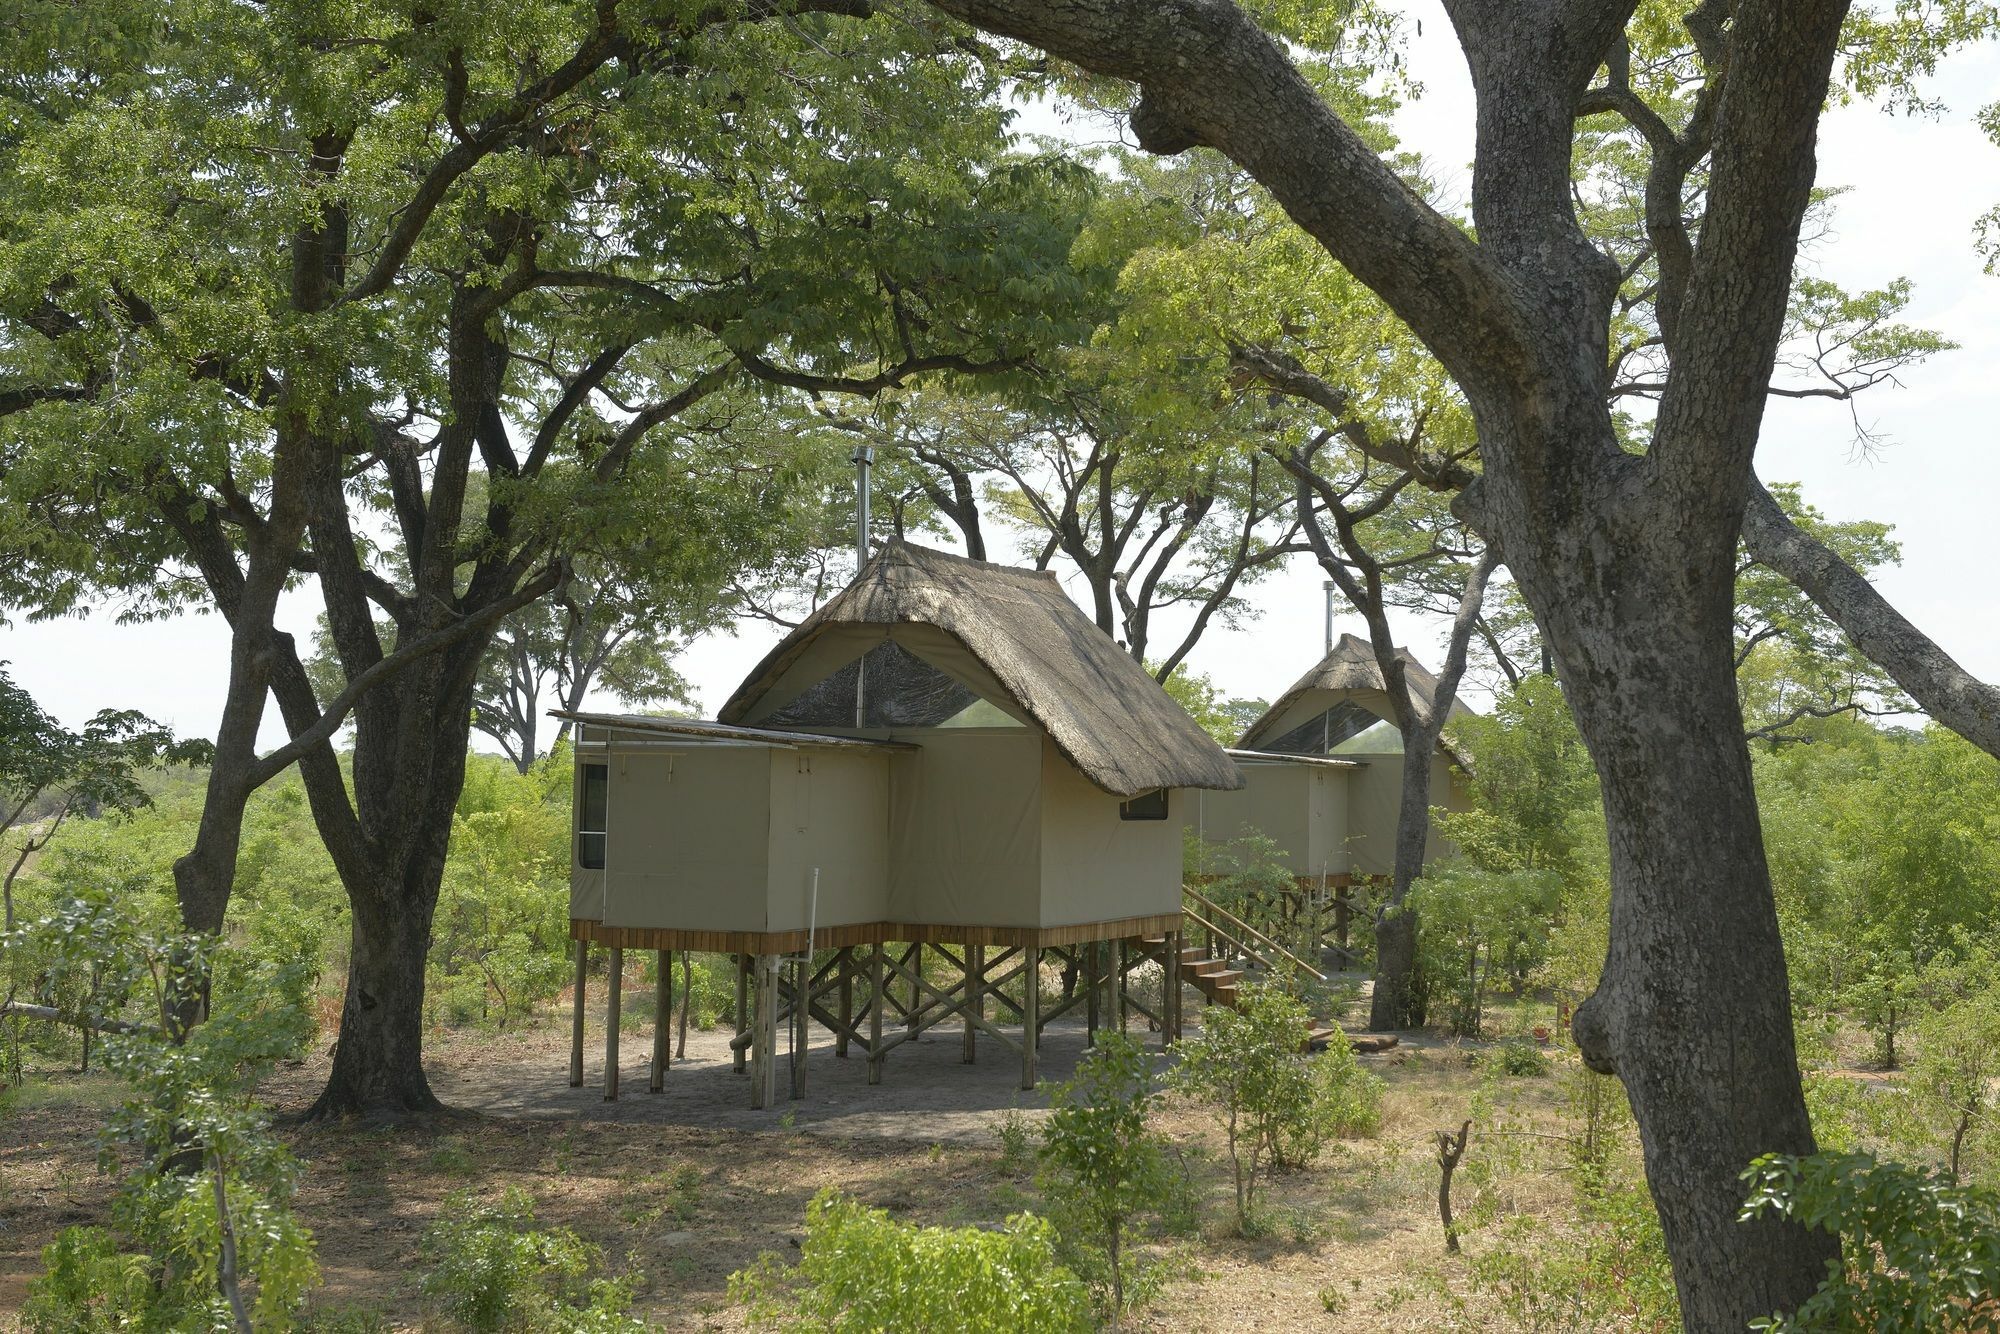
x,y
1692,1011
409,768
1399,996
378,1068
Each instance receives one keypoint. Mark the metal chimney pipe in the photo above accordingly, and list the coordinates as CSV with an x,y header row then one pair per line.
x,y
863,459
1330,587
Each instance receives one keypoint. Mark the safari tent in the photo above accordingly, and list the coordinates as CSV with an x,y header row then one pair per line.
x,y
1324,770
946,754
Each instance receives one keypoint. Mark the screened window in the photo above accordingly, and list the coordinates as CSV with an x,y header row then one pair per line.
x,y
1327,733
1146,806
590,821
898,689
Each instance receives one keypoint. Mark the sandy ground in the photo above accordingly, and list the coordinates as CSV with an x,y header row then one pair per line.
x,y
688,1185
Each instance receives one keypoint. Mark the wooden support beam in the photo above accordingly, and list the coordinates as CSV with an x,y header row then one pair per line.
x,y
875,1052
845,961
613,997
576,1017
742,1011
801,1025
1093,960
1123,970
1031,1004
663,1022
1170,964
912,1016
975,1001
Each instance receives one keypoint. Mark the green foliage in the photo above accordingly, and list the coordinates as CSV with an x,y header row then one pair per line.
x,y
1278,1106
1104,1172
861,1271
1608,1272
1955,1081
1479,932
490,1271
204,1207
1222,717
1918,1254
1534,792
1518,1058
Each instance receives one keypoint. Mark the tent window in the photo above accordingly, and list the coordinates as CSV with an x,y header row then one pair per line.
x,y
1325,733
590,822
1146,806
899,689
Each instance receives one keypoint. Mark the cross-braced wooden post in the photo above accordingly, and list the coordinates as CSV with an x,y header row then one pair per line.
x,y
975,1000
1170,971
845,965
742,1010
875,1015
663,1022
1031,1012
1092,978
613,996
1122,967
576,1017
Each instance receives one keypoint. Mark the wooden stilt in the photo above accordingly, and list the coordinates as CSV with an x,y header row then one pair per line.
x,y
1170,969
1093,962
975,1000
1031,1014
1124,969
916,998
576,1018
875,1015
663,1022
742,1009
800,1024
613,995
846,970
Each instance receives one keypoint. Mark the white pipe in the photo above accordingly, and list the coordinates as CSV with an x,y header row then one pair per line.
x,y
864,458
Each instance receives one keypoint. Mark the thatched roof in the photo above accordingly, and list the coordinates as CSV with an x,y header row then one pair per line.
x,y
1349,669
1104,713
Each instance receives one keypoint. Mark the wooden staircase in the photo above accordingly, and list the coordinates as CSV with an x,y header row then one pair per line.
x,y
1213,978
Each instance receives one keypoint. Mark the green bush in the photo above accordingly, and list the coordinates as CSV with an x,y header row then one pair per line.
x,y
1519,1058
490,1271
1918,1253
860,1271
1277,1106
1103,1171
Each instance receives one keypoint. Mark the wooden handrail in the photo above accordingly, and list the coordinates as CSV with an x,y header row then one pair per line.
x,y
1224,913
1233,942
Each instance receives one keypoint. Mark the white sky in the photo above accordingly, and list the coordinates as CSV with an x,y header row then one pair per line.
x,y
1915,187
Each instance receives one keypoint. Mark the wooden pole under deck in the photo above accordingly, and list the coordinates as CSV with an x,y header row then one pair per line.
x,y
875,1014
742,1008
1170,968
801,1021
1031,1013
916,993
576,1018
845,967
975,1000
1123,965
767,1023
1093,975
663,1022
612,997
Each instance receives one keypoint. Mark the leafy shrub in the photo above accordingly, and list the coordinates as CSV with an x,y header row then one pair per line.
x,y
1277,1106
1103,1171
1918,1254
861,1271
1518,1058
206,1203
490,1271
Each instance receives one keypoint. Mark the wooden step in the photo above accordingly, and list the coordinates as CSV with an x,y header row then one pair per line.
x,y
1362,1043
1204,968
1226,978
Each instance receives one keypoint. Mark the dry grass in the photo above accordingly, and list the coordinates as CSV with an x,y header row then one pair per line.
x,y
691,1186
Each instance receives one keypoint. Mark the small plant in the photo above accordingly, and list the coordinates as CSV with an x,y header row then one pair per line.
x,y
1519,1059
1016,1154
1277,1105
861,1271
489,1270
1102,1169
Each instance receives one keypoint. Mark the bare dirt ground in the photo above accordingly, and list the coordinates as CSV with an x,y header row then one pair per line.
x,y
689,1185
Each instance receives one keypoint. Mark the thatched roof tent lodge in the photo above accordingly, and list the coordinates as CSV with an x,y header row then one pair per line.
x,y
927,621
1324,770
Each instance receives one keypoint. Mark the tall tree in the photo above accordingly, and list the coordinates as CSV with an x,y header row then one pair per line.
x,y
1626,556
351,260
